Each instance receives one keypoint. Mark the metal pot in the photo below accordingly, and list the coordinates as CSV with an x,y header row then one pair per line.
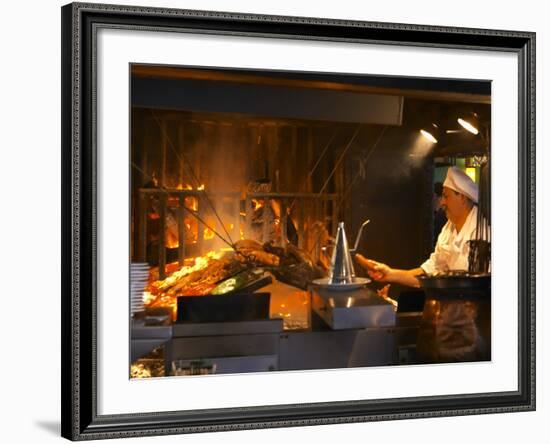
x,y
456,321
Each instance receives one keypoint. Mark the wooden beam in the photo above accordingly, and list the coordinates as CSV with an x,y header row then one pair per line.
x,y
162,236
143,201
163,72
181,230
283,223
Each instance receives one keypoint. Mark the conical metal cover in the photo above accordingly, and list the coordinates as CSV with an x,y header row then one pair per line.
x,y
341,266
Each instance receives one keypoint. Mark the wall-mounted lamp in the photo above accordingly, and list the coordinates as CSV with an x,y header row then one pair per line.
x,y
431,133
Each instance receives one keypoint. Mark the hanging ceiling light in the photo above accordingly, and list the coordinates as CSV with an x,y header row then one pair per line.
x,y
431,133
470,124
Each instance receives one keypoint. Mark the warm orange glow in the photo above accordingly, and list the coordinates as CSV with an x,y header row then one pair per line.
x,y
156,294
257,204
201,187
172,242
147,298
292,307
208,233
192,203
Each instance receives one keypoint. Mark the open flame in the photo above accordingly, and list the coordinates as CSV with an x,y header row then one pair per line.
x,y
192,203
171,241
257,204
208,233
155,293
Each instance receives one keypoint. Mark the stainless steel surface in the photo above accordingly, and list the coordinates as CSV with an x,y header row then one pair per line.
x,y
354,309
358,238
234,347
342,273
219,365
145,339
227,328
357,282
341,266
373,347
209,347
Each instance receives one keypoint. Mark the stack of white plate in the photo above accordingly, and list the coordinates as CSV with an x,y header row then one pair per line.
x,y
139,275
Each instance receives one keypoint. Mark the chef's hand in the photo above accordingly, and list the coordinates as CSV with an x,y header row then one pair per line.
x,y
378,271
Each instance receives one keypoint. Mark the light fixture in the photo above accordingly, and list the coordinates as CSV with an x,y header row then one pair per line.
x,y
470,124
431,133
472,172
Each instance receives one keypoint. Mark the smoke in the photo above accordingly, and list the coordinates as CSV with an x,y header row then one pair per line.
x,y
405,161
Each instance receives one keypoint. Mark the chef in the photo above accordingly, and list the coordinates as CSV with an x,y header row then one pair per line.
x,y
459,200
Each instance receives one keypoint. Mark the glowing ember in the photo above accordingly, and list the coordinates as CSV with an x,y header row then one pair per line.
x,y
171,241
139,371
148,298
161,294
192,203
208,233
257,204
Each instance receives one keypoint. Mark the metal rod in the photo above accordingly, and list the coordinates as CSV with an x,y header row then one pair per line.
x,y
301,226
160,190
195,178
265,221
248,217
358,238
284,222
162,237
336,206
292,195
310,173
194,214
322,154
142,226
340,159
181,230
352,183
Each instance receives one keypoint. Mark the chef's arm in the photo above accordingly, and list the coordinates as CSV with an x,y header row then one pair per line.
x,y
382,273
405,277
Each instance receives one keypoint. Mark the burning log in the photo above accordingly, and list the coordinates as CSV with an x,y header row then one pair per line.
x,y
289,265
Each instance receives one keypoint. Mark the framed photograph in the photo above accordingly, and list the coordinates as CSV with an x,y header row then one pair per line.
x,y
279,221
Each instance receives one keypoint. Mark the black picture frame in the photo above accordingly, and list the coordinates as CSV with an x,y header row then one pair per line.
x,y
79,385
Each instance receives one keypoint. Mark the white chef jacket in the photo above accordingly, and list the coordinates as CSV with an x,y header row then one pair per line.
x,y
452,247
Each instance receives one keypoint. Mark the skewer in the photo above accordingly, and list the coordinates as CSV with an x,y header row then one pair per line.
x,y
336,210
162,190
192,173
352,183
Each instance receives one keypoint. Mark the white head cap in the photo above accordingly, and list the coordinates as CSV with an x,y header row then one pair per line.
x,y
460,182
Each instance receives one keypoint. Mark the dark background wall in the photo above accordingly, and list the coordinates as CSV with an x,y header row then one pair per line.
x,y
362,146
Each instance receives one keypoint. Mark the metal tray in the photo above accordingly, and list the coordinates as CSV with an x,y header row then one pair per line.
x,y
358,282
